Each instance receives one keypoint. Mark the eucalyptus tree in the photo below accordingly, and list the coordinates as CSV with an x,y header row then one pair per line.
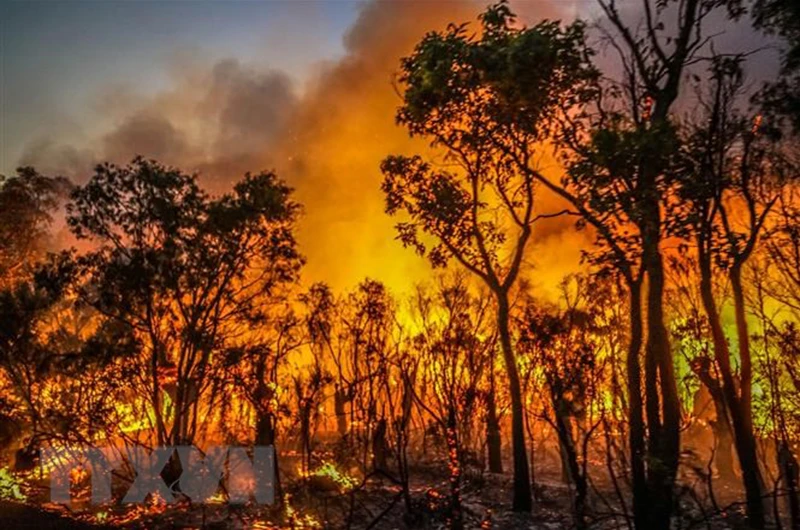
x,y
486,102
182,271
621,154
28,201
734,175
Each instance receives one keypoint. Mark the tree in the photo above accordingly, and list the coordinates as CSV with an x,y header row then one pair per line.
x,y
366,341
692,335
27,202
781,97
620,154
181,270
254,361
455,353
562,342
25,358
775,279
487,102
58,372
732,163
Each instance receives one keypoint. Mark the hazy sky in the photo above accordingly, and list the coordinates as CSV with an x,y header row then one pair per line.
x,y
58,56
223,87
59,59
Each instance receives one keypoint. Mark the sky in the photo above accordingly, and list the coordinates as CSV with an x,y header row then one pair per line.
x,y
59,56
220,88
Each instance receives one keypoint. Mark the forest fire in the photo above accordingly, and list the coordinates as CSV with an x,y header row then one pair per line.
x,y
180,352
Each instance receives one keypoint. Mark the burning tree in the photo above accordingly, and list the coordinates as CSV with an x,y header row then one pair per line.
x,y
59,378
464,94
455,348
182,319
366,344
621,152
182,271
732,163
27,203
562,344
57,381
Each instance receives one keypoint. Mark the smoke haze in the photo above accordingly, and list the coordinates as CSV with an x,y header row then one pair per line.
x,y
326,138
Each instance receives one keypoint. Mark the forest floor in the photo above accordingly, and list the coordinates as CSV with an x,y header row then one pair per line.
x,y
318,503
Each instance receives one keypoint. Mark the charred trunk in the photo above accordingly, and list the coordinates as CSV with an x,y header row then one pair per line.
x,y
664,433
339,400
569,462
723,449
636,432
721,424
454,463
522,501
790,475
493,439
379,446
266,435
740,416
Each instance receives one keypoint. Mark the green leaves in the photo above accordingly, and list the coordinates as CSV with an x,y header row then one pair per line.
x,y
27,201
461,89
488,100
176,265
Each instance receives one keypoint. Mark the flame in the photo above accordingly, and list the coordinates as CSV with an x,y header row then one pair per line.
x,y
11,486
329,470
296,519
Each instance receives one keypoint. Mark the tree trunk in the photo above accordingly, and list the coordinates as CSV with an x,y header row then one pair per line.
x,y
746,372
493,440
265,435
379,447
305,432
454,462
789,473
721,426
748,457
723,448
664,439
641,504
741,421
339,400
522,484
569,463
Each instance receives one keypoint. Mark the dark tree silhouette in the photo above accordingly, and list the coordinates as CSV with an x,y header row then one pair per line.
x,y
621,154
781,97
455,352
563,344
181,270
487,102
27,203
731,163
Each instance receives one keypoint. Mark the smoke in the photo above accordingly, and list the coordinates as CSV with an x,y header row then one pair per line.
x,y
343,130
345,126
326,139
151,134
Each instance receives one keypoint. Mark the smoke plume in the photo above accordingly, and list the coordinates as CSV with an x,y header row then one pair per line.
x,y
326,139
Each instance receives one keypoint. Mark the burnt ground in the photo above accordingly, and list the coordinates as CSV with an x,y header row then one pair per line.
x,y
16,516
317,503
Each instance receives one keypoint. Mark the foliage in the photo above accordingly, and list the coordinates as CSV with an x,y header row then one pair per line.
x,y
181,269
27,202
